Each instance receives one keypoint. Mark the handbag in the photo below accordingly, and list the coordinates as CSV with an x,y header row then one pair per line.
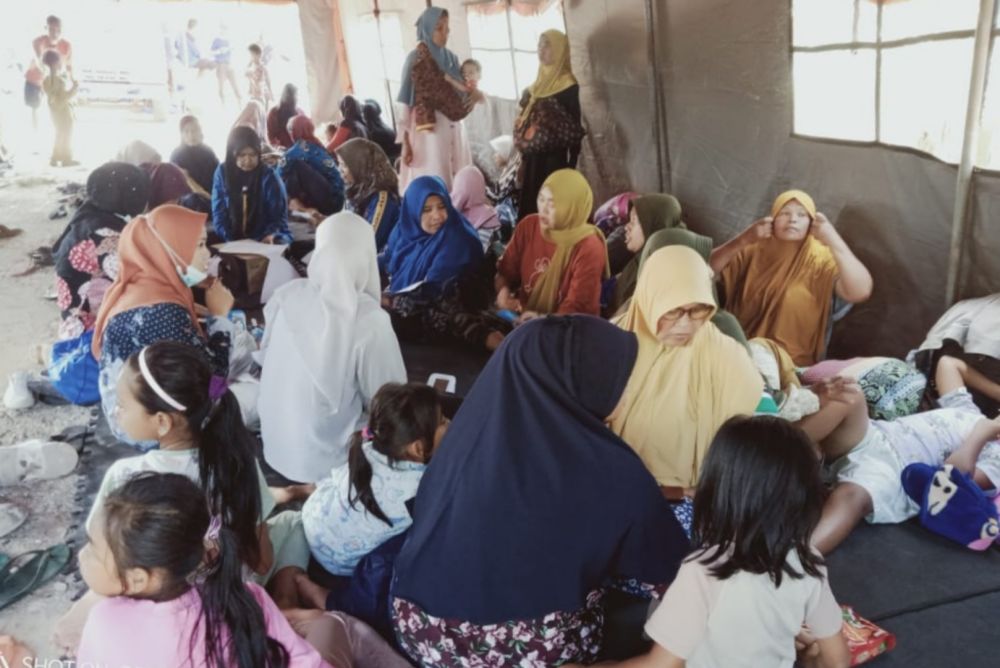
x,y
74,371
244,275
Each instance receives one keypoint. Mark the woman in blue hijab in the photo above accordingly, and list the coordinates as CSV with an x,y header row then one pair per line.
x,y
531,509
430,127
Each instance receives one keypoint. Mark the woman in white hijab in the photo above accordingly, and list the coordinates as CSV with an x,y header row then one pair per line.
x,y
327,349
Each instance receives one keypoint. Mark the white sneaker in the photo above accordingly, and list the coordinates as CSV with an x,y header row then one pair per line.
x,y
18,395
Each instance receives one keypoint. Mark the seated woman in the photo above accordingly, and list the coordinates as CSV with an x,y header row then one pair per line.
x,y
372,186
162,255
468,193
676,236
556,260
689,377
253,117
647,215
431,253
352,123
379,132
780,275
519,492
86,254
138,152
327,348
278,117
967,331
248,197
167,183
193,155
305,192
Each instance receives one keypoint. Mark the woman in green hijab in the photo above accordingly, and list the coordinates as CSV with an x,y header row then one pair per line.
x,y
648,215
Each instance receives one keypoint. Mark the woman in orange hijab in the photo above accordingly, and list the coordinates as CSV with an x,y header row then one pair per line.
x,y
780,274
162,255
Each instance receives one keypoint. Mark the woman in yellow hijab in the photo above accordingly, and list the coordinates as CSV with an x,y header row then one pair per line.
x,y
556,260
779,276
689,377
548,131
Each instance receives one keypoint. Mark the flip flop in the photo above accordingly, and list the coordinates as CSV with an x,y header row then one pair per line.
x,y
12,516
36,460
27,572
8,232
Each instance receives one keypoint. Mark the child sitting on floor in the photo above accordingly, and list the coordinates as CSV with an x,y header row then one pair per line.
x,y
754,589
163,606
868,456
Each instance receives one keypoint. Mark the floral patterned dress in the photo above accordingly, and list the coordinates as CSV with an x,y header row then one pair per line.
x,y
556,638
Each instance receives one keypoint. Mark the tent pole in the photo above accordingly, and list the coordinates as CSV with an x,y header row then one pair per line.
x,y
963,184
655,76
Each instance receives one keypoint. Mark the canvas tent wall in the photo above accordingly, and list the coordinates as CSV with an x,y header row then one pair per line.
x,y
724,145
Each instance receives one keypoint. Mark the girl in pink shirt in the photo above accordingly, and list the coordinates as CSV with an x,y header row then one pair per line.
x,y
166,606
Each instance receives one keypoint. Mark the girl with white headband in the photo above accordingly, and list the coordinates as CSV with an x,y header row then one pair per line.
x,y
167,393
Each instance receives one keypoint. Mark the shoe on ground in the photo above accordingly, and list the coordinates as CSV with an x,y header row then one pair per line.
x,y
18,396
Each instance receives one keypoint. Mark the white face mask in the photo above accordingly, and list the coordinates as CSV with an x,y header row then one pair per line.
x,y
190,275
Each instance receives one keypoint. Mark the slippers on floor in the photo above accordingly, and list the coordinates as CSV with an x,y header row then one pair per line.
x,y
12,516
8,232
27,572
36,460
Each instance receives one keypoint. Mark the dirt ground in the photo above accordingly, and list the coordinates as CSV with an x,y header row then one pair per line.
x,y
27,197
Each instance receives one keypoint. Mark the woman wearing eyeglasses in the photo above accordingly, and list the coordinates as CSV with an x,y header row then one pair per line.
x,y
689,377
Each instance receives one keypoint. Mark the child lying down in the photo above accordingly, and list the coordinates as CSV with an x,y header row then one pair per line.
x,y
868,475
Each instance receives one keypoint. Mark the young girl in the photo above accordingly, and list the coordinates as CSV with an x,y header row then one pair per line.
x,y
146,555
167,394
362,504
60,93
739,599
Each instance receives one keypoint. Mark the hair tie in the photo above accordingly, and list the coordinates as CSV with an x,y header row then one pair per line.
x,y
366,433
217,387
153,385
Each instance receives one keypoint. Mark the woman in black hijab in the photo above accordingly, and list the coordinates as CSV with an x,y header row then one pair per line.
x,y
86,254
277,119
379,132
248,197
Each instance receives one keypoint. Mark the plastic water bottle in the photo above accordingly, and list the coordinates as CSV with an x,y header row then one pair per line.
x,y
256,330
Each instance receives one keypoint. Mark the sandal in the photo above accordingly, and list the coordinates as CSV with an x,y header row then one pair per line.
x,y
27,572
8,232
36,460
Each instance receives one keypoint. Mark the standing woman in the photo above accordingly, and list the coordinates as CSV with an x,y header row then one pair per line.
x,y
440,149
548,132
248,198
372,186
529,486
278,117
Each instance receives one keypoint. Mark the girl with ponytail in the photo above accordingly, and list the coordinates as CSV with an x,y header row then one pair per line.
x,y
362,504
167,394
166,604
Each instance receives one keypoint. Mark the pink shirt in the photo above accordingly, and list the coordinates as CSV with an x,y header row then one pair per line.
x,y
124,631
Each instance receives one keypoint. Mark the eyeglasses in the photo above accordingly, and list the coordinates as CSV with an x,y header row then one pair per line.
x,y
696,313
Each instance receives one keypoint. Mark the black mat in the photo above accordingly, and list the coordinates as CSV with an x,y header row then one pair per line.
x,y
941,600
423,359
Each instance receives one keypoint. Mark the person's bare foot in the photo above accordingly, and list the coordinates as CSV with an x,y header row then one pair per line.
x,y
310,593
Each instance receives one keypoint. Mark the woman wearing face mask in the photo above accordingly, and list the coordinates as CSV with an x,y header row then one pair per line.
x,y
689,377
433,143
86,254
430,253
548,131
780,275
162,255
248,198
